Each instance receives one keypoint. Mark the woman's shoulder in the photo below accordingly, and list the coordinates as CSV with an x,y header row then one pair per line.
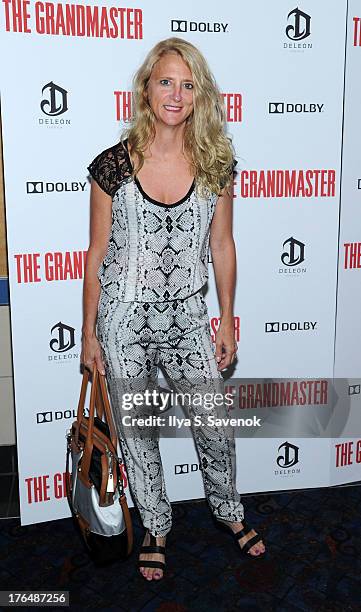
x,y
110,167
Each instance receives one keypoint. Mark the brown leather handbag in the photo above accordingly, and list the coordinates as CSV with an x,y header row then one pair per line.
x,y
95,484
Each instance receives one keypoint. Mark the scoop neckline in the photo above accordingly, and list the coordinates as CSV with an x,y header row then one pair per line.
x,y
146,195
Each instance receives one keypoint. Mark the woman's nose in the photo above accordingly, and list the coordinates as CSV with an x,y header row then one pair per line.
x,y
177,93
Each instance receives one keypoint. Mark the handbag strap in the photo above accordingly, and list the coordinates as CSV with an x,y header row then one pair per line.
x,y
88,445
68,478
99,402
128,522
103,394
81,402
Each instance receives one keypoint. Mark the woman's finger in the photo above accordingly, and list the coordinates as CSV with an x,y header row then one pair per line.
x,y
100,366
89,365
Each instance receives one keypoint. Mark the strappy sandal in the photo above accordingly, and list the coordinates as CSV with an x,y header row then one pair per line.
x,y
152,548
249,543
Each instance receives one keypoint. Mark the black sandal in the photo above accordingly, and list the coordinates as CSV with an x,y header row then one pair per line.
x,y
152,548
247,545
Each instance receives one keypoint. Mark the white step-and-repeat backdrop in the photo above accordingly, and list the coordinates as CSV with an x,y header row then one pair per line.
x,y
289,74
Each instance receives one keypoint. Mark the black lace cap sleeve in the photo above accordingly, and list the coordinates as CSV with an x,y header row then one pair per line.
x,y
109,168
232,172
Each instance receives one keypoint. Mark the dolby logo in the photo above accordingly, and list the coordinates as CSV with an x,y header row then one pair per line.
x,y
181,25
354,389
186,468
55,415
285,326
37,187
282,108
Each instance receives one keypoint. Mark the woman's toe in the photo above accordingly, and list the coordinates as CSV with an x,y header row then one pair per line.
x,y
254,550
260,549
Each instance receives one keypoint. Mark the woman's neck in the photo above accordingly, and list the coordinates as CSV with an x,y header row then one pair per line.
x,y
167,143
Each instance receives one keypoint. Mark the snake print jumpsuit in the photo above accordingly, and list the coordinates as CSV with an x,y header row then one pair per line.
x,y
152,312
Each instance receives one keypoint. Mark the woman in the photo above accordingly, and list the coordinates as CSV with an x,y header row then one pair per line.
x,y
158,199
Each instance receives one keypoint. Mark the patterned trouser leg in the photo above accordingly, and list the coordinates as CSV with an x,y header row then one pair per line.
x,y
135,337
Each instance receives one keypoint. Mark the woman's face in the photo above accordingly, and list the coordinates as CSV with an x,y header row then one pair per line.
x,y
170,90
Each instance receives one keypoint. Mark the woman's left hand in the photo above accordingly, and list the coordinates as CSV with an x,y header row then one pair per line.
x,y
226,346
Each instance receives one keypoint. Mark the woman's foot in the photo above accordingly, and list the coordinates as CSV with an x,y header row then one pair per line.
x,y
257,549
151,557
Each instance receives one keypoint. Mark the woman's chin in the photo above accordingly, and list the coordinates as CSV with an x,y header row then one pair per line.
x,y
171,120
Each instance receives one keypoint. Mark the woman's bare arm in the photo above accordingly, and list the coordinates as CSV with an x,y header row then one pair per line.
x,y
100,227
224,264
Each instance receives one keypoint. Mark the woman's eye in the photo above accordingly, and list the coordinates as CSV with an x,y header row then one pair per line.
x,y
188,85
164,82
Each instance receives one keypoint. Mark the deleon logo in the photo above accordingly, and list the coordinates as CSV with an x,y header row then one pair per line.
x,y
55,100
300,28
288,456
294,252
64,339
181,25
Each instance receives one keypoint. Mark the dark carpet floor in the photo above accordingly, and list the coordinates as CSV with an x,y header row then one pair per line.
x,y
313,562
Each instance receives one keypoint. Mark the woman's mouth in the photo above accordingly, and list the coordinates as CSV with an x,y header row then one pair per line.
x,y
172,109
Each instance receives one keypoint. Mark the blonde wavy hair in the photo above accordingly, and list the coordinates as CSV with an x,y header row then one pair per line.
x,y
206,146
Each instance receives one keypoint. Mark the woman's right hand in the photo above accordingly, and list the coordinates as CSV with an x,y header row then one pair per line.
x,y
90,352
